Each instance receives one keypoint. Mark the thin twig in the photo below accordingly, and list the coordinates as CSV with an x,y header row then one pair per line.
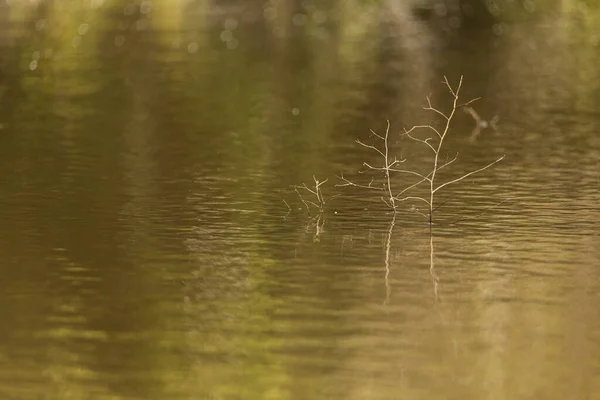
x,y
435,110
426,141
316,192
467,175
350,183
288,206
469,102
374,133
408,171
430,127
385,168
434,142
302,198
289,209
370,147
448,162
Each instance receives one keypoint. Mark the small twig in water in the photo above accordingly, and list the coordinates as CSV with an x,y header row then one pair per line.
x,y
435,145
386,168
320,204
289,209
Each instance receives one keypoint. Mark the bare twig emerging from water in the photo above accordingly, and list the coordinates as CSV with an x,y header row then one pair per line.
x,y
316,192
289,209
387,165
435,143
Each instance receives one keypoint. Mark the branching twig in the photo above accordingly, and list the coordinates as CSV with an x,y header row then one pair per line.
x,y
289,209
467,175
320,204
437,150
388,165
390,201
302,198
350,183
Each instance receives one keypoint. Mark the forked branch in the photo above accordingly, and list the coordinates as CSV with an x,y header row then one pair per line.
x,y
387,163
467,175
432,136
436,148
316,192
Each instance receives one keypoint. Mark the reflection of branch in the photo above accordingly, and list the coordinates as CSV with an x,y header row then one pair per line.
x,y
320,224
480,123
388,245
434,277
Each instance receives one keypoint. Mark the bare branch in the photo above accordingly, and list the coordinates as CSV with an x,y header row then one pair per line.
x,y
435,110
454,93
370,147
302,198
467,175
410,187
426,141
429,126
379,136
350,183
469,102
374,168
387,203
316,192
407,171
305,188
448,162
319,193
433,141
396,162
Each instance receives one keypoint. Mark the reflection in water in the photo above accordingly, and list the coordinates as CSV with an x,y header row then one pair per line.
x,y
480,123
388,245
146,147
434,277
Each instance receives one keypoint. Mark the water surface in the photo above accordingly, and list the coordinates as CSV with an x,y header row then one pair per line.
x,y
146,151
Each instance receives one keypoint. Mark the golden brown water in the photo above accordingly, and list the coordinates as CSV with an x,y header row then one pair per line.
x,y
146,253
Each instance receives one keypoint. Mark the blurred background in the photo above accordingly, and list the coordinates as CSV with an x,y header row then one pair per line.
x,y
147,154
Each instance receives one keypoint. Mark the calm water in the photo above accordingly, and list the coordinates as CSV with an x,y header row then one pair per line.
x,y
147,148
